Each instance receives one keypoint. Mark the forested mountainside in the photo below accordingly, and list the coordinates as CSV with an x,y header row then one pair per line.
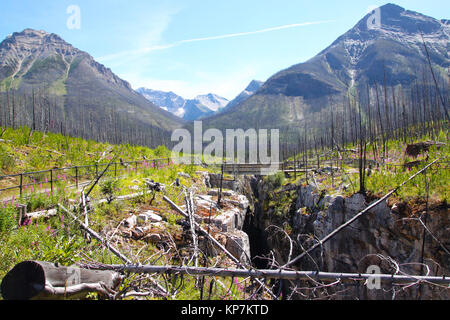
x,y
48,84
382,68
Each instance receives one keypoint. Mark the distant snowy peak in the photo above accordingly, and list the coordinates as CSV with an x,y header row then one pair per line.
x,y
212,101
168,101
193,109
180,112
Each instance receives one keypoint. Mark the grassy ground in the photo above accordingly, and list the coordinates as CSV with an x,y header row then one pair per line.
x,y
389,173
20,151
59,238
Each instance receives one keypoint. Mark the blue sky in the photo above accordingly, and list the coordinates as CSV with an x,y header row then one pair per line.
x,y
195,47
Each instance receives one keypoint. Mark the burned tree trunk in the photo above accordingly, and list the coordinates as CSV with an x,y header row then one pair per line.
x,y
36,280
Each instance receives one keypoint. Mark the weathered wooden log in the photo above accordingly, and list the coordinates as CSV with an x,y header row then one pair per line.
x,y
154,186
106,244
277,274
96,236
25,217
413,164
36,280
41,214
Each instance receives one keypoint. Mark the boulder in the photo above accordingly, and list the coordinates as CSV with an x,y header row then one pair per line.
x,y
130,222
230,220
238,244
355,203
241,201
225,193
382,214
214,182
307,197
337,206
147,217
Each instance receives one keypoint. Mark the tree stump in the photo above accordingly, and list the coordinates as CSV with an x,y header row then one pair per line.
x,y
36,280
413,150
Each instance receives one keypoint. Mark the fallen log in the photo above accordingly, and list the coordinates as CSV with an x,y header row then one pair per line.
x,y
413,164
96,236
36,280
41,214
25,217
274,274
106,244
48,150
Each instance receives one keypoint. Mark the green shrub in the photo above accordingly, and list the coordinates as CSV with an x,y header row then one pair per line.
x,y
190,169
39,241
63,250
7,162
7,219
45,200
276,180
162,152
109,188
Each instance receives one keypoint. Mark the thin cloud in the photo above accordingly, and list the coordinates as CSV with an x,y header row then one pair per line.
x,y
224,36
131,53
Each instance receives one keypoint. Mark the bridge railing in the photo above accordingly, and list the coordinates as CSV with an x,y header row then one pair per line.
x,y
27,181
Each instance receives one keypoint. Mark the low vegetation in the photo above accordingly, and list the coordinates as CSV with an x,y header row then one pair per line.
x,y
60,239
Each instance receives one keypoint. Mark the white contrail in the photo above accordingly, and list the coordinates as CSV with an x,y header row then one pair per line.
x,y
224,36
240,34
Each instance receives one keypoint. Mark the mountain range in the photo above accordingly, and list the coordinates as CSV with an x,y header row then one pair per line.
x,y
200,107
391,54
191,109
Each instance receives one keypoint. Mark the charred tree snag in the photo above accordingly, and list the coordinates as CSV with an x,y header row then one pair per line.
x,y
36,280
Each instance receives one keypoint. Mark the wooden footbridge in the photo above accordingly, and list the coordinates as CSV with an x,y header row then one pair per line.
x,y
289,167
265,169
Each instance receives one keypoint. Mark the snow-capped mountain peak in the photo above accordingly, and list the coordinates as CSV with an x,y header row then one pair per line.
x,y
212,101
193,109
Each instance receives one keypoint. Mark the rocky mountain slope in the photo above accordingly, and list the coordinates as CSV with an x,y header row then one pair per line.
x,y
37,60
392,54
